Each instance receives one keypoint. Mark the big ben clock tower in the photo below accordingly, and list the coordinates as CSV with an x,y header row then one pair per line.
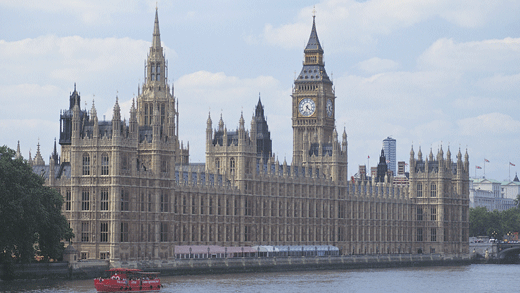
x,y
313,104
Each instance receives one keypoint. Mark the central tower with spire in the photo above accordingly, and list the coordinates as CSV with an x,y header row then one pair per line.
x,y
157,114
315,139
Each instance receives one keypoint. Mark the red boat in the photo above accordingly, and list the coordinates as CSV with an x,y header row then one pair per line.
x,y
124,280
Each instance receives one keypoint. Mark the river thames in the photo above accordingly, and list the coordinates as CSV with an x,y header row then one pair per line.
x,y
472,278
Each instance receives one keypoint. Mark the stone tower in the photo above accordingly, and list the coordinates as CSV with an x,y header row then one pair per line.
x,y
157,114
439,190
315,140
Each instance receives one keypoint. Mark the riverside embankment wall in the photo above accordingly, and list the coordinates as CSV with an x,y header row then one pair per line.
x,y
92,269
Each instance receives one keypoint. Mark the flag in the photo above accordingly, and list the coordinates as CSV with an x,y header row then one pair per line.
x,y
369,157
478,167
486,160
511,164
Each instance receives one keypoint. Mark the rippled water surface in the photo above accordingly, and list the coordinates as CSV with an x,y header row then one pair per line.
x,y
473,278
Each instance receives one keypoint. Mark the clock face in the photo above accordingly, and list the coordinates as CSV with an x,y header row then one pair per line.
x,y
306,107
329,108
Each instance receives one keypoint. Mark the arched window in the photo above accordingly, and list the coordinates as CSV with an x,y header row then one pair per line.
x,y
232,166
104,164
419,189
433,190
86,164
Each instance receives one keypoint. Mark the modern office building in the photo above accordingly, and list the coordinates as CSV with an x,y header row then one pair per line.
x,y
389,146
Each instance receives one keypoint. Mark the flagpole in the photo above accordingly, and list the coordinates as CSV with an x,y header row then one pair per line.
x,y
484,168
509,178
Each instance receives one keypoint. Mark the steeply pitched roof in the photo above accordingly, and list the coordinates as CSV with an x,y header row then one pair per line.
x,y
314,43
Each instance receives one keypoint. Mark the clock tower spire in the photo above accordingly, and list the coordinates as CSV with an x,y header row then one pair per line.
x,y
313,102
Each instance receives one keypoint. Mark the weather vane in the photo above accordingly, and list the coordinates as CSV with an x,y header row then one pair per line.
x,y
314,11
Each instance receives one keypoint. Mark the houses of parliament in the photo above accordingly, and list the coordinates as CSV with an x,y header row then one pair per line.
x,y
131,193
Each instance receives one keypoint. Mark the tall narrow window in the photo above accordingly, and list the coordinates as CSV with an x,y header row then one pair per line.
x,y
419,189
433,190
124,232
419,234
217,165
104,164
232,166
434,214
419,214
104,199
163,114
125,200
433,235
103,236
85,231
86,164
146,114
164,232
68,200
85,200
165,202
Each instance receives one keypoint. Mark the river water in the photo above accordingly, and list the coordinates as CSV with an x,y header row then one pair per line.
x,y
472,278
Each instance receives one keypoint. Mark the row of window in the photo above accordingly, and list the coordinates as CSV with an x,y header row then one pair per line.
x,y
433,214
104,164
125,201
433,235
124,235
148,113
433,190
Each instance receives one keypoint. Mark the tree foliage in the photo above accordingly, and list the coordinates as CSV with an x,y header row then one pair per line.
x,y
31,223
494,224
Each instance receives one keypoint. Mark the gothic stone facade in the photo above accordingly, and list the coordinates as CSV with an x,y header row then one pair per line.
x,y
130,193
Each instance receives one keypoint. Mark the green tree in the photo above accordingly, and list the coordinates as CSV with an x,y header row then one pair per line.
x,y
31,223
478,221
517,201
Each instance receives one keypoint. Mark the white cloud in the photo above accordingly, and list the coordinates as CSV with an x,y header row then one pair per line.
x,y
347,24
72,58
492,124
376,65
90,12
478,56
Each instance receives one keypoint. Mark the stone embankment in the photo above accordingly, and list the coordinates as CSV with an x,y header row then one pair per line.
x,y
96,268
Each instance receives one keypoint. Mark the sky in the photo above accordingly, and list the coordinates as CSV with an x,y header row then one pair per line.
x,y
427,73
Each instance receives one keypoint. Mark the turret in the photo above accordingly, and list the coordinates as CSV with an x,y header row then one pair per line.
x,y
133,121
116,120
344,143
241,129
209,135
75,122
221,124
18,153
93,116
